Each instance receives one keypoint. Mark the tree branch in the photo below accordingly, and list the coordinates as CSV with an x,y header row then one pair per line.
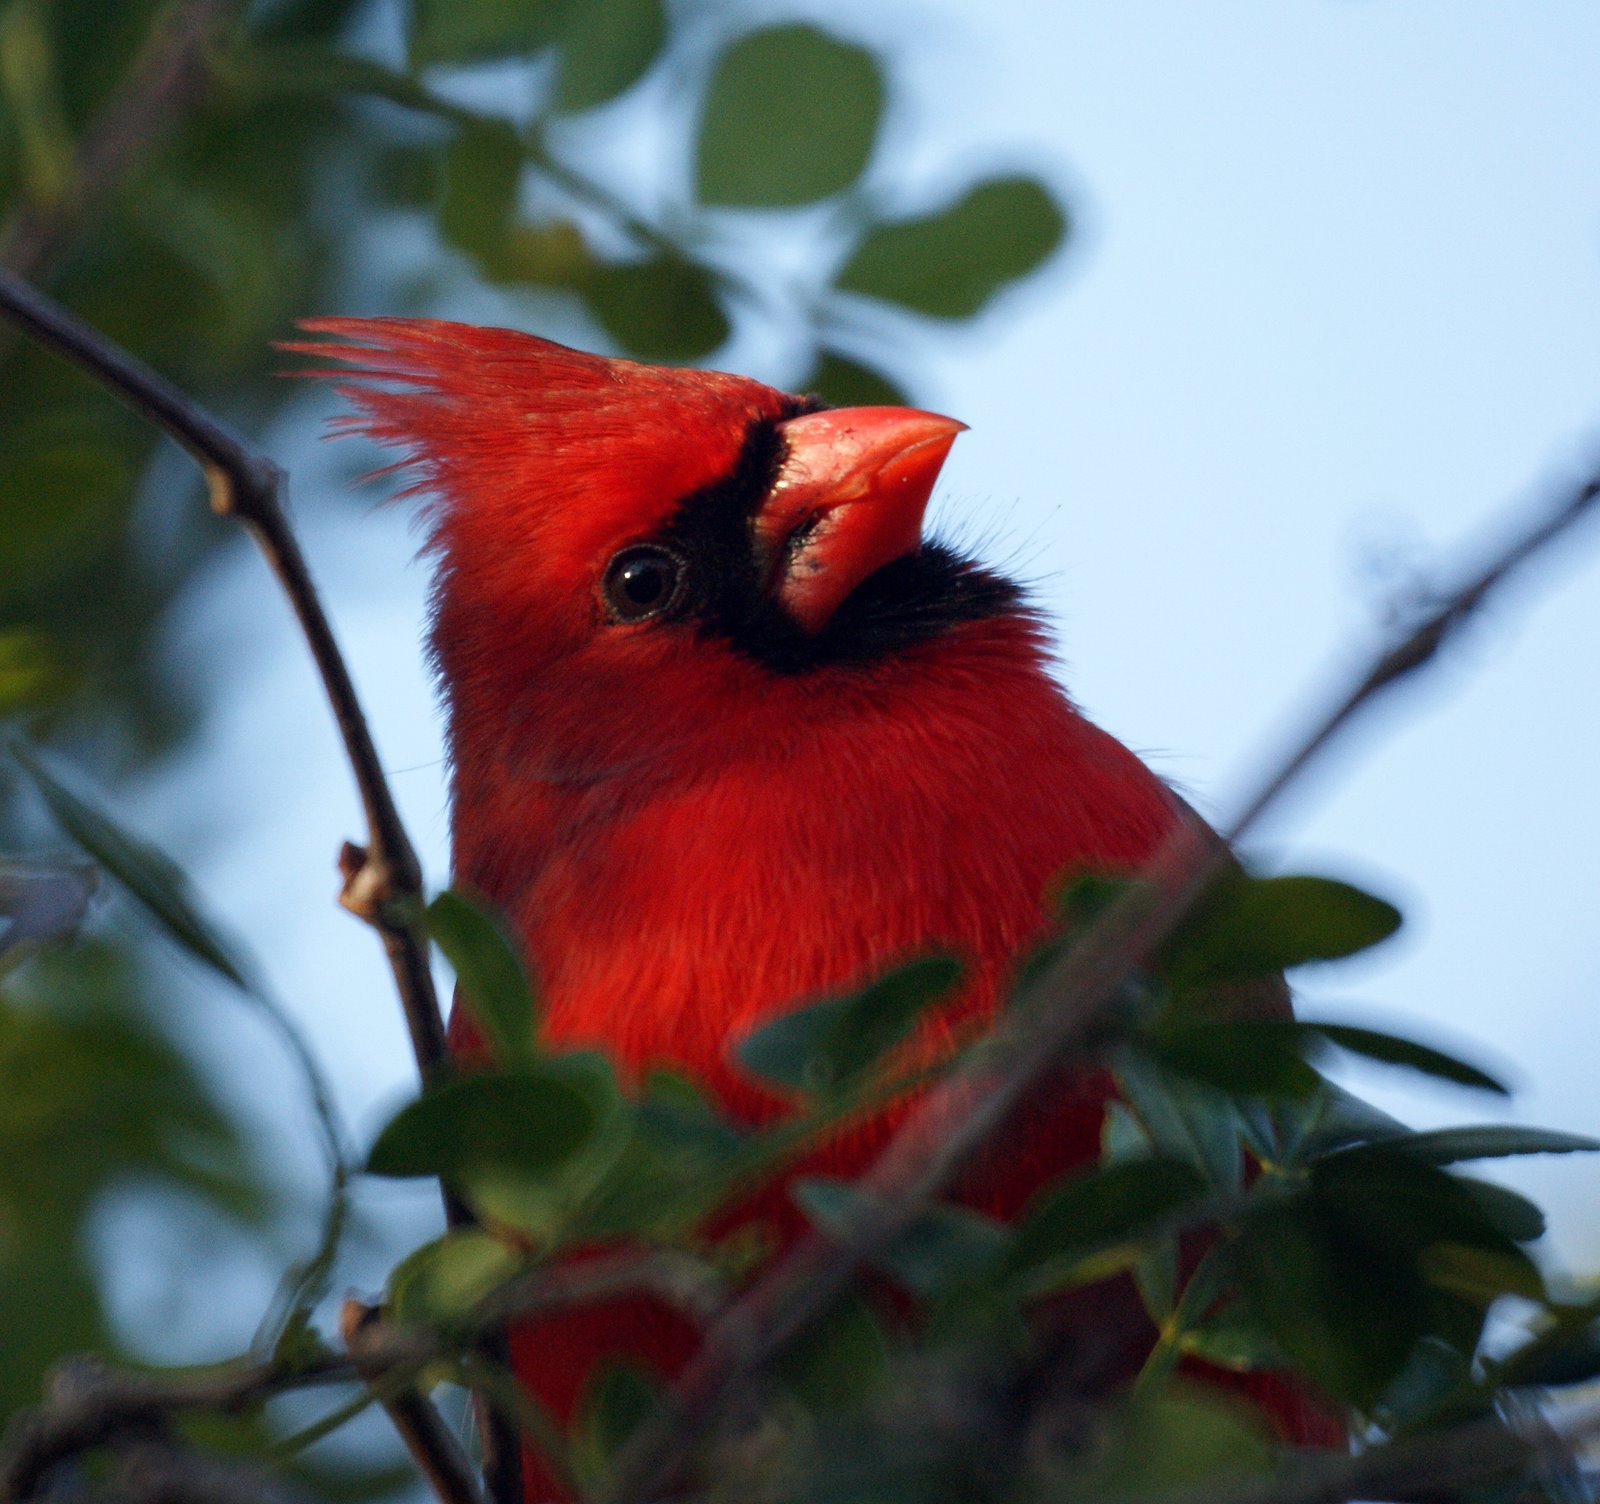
x,y
1054,1018
245,484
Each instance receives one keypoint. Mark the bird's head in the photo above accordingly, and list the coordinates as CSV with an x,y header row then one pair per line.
x,y
598,515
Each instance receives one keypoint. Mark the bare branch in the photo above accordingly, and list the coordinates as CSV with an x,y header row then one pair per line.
x,y
245,484
427,1438
1053,1019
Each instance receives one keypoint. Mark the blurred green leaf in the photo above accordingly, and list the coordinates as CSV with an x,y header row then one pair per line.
x,y
1179,1440
1516,1216
1184,1119
64,488
482,176
30,98
1093,1210
1391,1049
466,31
1245,1057
1444,1146
846,382
833,1043
665,308
840,1360
444,1279
525,1122
146,873
1256,926
605,48
951,262
490,975
617,1400
790,116
29,669
946,1246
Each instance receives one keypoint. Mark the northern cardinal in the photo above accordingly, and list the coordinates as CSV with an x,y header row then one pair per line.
x,y
725,733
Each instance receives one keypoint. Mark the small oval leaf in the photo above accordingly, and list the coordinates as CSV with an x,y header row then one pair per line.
x,y
604,47
149,875
790,116
951,262
662,309
490,976
1255,926
523,1122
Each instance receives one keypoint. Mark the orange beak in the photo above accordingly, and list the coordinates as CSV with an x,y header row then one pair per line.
x,y
848,499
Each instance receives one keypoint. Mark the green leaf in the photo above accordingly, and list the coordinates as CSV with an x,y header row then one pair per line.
x,y
661,309
790,116
1393,1050
465,31
1256,926
443,1280
951,262
30,671
65,488
605,47
1232,1340
611,1411
833,1043
1121,1202
1244,1057
1446,1146
946,1246
1516,1216
483,177
152,878
490,975
839,1360
528,1122
678,1163
1184,1119
1184,1439
845,382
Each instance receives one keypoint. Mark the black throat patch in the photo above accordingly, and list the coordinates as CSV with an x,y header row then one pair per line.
x,y
910,600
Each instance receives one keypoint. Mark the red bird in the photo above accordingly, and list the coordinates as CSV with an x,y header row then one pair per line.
x,y
726,732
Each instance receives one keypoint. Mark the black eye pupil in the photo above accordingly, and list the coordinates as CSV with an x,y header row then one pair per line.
x,y
641,582
644,583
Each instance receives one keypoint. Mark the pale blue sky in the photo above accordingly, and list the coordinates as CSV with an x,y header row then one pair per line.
x,y
1335,295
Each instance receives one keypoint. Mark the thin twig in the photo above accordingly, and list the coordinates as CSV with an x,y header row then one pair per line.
x,y
87,1404
432,1446
246,484
1054,1018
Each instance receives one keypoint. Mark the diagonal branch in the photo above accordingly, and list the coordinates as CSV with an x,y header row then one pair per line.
x,y
245,484
1054,1018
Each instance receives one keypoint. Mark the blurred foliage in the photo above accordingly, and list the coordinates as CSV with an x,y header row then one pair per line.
x,y
190,175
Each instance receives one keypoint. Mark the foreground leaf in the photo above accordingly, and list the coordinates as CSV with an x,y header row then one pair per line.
x,y
490,975
149,875
833,1043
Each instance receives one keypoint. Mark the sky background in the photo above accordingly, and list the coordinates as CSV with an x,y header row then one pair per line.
x,y
1330,321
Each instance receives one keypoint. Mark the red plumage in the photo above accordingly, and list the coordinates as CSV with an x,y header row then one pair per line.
x,y
830,749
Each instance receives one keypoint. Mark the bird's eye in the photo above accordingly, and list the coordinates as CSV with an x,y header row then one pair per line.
x,y
642,582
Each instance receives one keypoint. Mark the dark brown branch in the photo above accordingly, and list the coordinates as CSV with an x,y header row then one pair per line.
x,y
245,484
1055,1018
432,1447
88,1405
165,80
